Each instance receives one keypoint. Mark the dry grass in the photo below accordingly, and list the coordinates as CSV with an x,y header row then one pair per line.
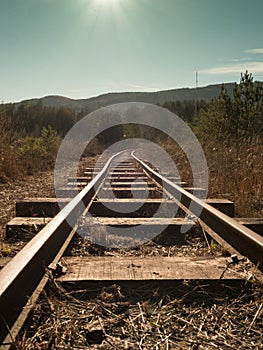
x,y
191,243
9,168
147,316
236,173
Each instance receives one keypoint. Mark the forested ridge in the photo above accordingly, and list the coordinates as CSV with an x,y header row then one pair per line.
x,y
29,118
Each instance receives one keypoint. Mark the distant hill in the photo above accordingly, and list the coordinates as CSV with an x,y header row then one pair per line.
x,y
90,104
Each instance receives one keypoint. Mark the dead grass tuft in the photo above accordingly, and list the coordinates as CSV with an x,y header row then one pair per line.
x,y
236,173
150,316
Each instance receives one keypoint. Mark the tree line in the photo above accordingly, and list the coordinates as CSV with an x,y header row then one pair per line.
x,y
28,119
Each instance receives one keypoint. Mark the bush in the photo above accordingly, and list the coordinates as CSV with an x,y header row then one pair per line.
x,y
36,154
9,168
233,119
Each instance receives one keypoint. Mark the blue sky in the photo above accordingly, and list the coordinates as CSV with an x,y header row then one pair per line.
x,y
83,48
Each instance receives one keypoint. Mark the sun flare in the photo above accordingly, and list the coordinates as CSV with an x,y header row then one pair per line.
x,y
108,1
113,4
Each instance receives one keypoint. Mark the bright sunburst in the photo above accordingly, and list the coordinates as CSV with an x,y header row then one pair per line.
x,y
108,1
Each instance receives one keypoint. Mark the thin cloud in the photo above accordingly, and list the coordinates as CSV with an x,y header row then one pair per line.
x,y
129,86
253,67
143,88
111,87
254,51
241,59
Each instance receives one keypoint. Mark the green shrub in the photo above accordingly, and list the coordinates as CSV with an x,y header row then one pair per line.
x,y
233,119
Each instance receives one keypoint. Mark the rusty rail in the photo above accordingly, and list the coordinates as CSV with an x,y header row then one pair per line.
x,y
23,274
244,240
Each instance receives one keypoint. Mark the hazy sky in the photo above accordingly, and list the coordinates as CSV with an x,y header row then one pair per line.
x,y
83,48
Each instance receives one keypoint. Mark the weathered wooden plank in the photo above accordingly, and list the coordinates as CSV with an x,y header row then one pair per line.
x,y
118,172
68,192
126,221
121,183
77,183
80,179
130,172
224,205
20,226
93,169
145,269
136,200
124,167
127,178
197,191
143,188
128,184
40,207
163,231
119,207
255,224
124,192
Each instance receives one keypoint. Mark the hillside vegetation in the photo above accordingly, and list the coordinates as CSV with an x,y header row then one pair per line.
x,y
229,127
231,131
29,137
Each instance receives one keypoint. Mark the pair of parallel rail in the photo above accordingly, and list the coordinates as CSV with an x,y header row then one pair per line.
x,y
23,278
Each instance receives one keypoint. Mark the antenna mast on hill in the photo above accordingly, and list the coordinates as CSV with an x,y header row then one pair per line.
x,y
196,86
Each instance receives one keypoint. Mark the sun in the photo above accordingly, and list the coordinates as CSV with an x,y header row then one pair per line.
x,y
108,1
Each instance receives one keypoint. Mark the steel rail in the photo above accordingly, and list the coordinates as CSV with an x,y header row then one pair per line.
x,y
244,240
23,274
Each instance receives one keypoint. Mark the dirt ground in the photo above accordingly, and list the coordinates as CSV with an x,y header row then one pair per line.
x,y
39,185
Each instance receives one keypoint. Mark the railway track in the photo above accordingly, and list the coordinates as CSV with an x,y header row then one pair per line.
x,y
126,206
